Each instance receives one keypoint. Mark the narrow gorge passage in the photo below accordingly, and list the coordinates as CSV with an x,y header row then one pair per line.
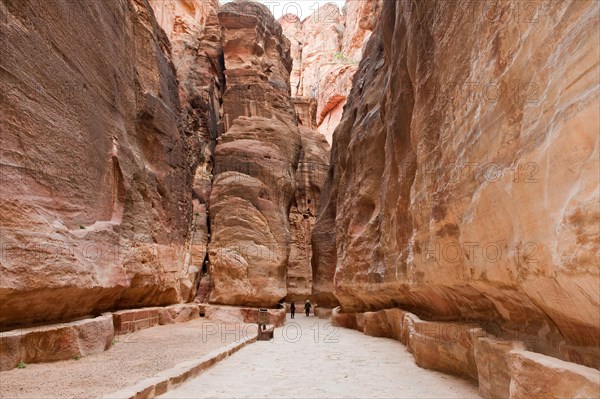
x,y
421,174
309,358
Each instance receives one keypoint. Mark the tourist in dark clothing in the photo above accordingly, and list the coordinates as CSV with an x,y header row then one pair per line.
x,y
293,309
307,307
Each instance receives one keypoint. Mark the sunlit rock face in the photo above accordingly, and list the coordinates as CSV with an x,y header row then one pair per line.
x,y
292,30
326,48
464,177
95,197
255,161
360,20
250,201
257,64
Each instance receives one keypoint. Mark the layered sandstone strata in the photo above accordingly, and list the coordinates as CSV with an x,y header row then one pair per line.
x,y
181,19
250,201
255,162
292,29
306,112
361,19
194,32
310,176
464,178
321,37
95,197
257,64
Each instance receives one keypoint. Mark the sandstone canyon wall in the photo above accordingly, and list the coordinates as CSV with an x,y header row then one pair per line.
x,y
143,166
258,160
95,197
129,143
310,177
464,174
194,31
326,48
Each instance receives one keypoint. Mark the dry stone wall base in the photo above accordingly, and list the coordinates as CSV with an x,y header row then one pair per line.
x,y
503,368
84,337
56,342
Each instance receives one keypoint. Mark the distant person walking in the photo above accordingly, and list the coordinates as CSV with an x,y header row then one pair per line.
x,y
293,309
307,307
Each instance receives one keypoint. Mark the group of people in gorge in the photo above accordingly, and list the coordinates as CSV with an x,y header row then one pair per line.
x,y
307,307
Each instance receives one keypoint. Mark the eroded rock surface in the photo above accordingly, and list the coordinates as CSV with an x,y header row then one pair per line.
x,y
326,48
292,29
255,162
194,32
310,176
108,207
257,64
464,178
250,201
95,197
539,376
56,342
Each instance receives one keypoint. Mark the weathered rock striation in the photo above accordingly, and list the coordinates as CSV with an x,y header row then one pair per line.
x,y
310,176
194,31
143,166
255,162
128,222
464,182
257,64
95,197
326,48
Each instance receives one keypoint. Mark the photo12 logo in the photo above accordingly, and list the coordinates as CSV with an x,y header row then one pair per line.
x,y
472,172
305,8
480,252
293,332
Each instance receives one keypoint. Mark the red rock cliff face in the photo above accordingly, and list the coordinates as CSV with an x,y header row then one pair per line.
x,y
326,48
310,177
95,197
111,206
195,35
255,163
464,177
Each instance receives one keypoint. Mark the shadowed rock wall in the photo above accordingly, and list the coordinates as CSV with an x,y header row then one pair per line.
x,y
310,176
95,187
195,35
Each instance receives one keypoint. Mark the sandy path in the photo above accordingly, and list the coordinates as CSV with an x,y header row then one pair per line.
x,y
329,364
135,357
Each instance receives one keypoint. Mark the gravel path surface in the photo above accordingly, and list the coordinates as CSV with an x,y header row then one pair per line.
x,y
311,359
133,358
